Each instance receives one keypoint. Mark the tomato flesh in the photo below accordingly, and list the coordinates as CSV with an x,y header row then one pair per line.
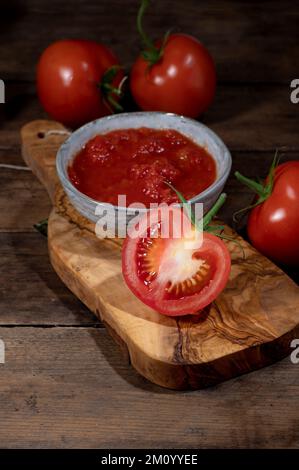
x,y
172,277
137,162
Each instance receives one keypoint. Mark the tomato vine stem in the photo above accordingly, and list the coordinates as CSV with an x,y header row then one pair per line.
x,y
215,229
213,211
108,90
262,189
207,218
151,52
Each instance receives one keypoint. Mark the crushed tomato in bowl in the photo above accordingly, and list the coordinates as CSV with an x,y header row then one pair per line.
x,y
137,162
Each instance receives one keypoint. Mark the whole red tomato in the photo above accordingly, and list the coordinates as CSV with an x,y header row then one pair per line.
x,y
69,75
182,81
273,225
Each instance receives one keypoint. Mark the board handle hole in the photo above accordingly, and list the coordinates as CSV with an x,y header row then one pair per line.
x,y
41,135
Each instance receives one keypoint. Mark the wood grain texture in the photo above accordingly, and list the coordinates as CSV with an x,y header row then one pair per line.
x,y
72,388
41,163
245,38
23,201
250,325
18,214
31,293
262,117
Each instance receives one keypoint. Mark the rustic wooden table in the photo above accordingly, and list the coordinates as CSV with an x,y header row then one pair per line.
x,y
64,382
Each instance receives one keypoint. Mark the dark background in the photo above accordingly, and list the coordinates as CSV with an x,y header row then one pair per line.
x,y
254,45
64,383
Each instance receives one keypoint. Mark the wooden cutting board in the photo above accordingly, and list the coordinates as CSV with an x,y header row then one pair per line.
x,y
250,325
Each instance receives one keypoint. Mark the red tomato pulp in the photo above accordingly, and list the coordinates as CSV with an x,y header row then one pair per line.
x,y
169,275
137,162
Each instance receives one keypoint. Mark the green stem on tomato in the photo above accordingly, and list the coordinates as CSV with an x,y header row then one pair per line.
x,y
209,215
242,212
262,189
114,104
110,74
213,211
258,188
207,218
109,90
151,53
186,205
145,38
273,166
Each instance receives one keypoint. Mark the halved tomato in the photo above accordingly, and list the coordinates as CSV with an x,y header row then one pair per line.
x,y
174,275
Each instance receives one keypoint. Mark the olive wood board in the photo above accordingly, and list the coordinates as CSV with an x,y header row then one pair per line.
x,y
250,325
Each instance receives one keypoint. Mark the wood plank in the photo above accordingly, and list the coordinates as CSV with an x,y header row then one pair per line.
x,y
71,388
249,326
31,292
255,117
261,118
67,391
23,201
241,36
20,105
256,129
33,204
231,337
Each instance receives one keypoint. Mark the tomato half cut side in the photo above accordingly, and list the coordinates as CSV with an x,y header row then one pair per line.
x,y
174,277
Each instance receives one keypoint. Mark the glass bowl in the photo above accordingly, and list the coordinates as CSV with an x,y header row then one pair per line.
x,y
196,131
